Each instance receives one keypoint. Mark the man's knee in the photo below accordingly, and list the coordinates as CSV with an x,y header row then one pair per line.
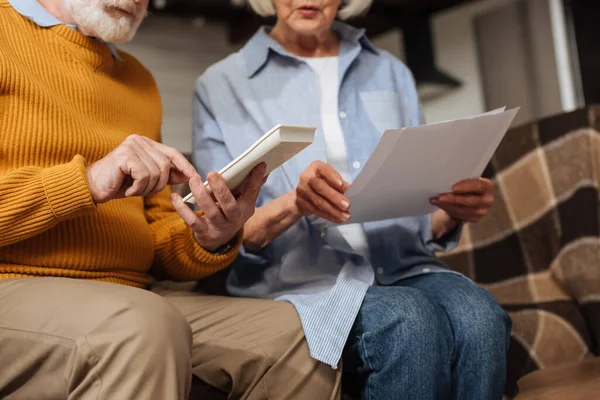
x,y
99,337
141,324
144,338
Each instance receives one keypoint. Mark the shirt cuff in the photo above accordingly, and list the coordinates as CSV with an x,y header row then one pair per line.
x,y
260,258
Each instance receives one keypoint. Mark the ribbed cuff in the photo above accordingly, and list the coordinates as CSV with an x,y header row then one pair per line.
x,y
67,189
204,256
187,260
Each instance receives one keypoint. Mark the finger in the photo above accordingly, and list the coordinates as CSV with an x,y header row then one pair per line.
x,y
302,203
479,186
323,206
466,214
191,219
458,211
138,171
468,217
163,164
333,196
345,187
224,197
305,205
461,200
151,166
329,174
251,190
205,201
486,200
182,165
125,185
237,192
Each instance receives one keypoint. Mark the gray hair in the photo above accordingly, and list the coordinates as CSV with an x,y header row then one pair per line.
x,y
352,8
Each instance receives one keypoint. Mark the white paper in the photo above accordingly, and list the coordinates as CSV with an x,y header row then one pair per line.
x,y
411,165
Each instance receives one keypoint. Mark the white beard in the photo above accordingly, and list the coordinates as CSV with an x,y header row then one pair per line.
x,y
92,19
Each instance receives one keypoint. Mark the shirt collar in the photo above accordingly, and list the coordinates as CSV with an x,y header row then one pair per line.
x,y
258,49
35,12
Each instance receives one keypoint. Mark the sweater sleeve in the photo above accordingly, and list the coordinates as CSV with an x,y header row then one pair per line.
x,y
177,253
35,199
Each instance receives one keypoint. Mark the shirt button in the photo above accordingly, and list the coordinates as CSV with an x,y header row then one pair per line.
x,y
380,271
343,115
426,270
356,164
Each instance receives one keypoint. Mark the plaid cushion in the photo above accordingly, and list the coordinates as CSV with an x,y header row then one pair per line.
x,y
538,251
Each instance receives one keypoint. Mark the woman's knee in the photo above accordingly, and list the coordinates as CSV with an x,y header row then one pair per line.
x,y
484,324
137,321
402,308
403,322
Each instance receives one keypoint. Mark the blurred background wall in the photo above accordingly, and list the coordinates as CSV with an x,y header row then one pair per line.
x,y
497,52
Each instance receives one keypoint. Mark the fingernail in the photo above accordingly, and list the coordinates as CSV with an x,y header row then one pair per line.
x,y
345,204
340,183
433,201
345,216
173,197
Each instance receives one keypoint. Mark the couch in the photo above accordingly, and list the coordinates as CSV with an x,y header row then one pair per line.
x,y
538,251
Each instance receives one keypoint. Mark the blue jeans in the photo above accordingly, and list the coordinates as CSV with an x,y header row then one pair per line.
x,y
434,336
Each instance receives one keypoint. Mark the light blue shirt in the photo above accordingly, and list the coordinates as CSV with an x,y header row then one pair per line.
x,y
242,97
35,12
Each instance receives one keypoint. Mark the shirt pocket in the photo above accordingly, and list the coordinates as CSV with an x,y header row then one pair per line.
x,y
385,109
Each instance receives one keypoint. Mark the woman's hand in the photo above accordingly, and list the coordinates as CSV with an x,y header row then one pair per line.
x,y
321,192
469,201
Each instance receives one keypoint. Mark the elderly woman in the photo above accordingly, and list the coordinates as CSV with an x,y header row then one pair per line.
x,y
373,296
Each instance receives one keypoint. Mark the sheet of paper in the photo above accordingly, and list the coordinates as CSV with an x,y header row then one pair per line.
x,y
411,165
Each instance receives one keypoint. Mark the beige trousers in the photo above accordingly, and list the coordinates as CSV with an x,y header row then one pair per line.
x,y
73,339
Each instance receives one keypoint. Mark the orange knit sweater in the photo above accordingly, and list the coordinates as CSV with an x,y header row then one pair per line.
x,y
65,102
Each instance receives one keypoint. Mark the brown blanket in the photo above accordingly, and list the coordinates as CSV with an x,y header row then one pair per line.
x,y
538,251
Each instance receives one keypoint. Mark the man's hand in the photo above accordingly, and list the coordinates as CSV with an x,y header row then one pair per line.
x,y
138,167
223,216
469,201
321,192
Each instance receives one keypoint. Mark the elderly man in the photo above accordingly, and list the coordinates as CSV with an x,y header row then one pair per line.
x,y
86,218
